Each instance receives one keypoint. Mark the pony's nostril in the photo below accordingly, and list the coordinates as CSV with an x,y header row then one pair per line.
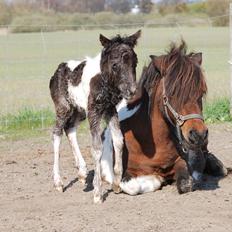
x,y
196,137
193,136
191,132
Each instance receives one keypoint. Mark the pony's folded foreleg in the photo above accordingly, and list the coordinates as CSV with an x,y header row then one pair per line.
x,y
214,166
184,181
117,138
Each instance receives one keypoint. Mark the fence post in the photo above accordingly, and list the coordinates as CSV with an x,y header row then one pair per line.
x,y
230,59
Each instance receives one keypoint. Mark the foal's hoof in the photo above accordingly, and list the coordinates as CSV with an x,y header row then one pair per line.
x,y
82,179
98,199
60,188
116,188
82,176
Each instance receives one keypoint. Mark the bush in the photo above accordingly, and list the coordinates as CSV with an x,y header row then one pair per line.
x,y
214,8
199,7
34,23
5,14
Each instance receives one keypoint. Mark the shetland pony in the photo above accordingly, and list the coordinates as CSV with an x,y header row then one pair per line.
x,y
92,88
163,127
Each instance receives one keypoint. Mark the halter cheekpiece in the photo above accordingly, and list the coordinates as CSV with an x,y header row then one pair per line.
x,y
180,119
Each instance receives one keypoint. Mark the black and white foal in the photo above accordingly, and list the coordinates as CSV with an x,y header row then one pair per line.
x,y
93,88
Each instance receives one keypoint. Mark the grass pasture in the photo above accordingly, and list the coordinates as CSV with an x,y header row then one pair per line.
x,y
29,59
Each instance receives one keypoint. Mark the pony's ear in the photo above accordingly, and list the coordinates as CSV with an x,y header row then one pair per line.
x,y
104,41
197,58
157,61
132,40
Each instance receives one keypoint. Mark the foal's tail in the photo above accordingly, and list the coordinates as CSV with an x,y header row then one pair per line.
x,y
60,72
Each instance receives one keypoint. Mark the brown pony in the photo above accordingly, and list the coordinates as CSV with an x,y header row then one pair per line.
x,y
164,131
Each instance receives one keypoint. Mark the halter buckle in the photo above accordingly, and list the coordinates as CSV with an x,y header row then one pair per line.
x,y
165,99
179,120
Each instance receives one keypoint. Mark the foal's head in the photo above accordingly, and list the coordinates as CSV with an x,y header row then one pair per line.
x,y
183,86
119,61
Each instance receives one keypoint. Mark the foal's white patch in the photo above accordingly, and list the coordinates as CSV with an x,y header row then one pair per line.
x,y
141,184
124,112
107,155
72,64
79,94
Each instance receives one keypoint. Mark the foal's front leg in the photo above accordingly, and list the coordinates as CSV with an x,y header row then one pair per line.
x,y
97,147
117,138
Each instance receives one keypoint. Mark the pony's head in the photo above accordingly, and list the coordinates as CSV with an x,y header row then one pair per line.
x,y
119,61
182,86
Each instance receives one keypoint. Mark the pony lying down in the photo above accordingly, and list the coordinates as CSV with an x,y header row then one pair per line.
x,y
165,137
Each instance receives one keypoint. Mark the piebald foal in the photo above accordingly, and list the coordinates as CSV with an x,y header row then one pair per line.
x,y
94,87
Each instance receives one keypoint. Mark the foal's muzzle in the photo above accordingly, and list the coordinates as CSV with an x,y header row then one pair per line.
x,y
129,92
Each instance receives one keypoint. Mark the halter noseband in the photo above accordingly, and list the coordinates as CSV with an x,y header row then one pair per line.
x,y
180,119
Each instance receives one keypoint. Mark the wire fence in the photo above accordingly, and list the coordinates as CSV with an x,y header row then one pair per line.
x,y
28,60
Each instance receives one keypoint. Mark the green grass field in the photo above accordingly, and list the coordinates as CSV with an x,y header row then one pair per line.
x,y
28,60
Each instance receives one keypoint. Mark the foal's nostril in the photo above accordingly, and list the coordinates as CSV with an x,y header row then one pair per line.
x,y
133,89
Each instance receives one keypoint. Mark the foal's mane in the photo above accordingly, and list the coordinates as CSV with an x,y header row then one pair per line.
x,y
184,79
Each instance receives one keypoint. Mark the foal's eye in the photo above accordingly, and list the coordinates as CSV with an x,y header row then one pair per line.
x,y
114,67
126,57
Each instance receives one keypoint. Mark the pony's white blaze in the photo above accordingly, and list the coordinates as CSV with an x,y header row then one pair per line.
x,y
79,94
141,184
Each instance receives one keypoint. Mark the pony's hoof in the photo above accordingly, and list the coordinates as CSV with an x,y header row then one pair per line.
x,y
185,185
98,199
116,188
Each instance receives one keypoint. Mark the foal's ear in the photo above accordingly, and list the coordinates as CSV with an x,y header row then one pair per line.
x,y
197,58
132,40
157,61
104,41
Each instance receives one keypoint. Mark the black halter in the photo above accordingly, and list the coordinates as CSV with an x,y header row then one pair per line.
x,y
180,119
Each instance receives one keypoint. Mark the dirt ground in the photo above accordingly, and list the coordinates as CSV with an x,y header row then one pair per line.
x,y
28,201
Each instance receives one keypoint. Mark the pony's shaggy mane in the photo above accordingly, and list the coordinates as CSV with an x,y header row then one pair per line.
x,y
184,79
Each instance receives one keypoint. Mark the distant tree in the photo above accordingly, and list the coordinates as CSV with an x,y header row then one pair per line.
x,y
119,6
146,6
173,6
